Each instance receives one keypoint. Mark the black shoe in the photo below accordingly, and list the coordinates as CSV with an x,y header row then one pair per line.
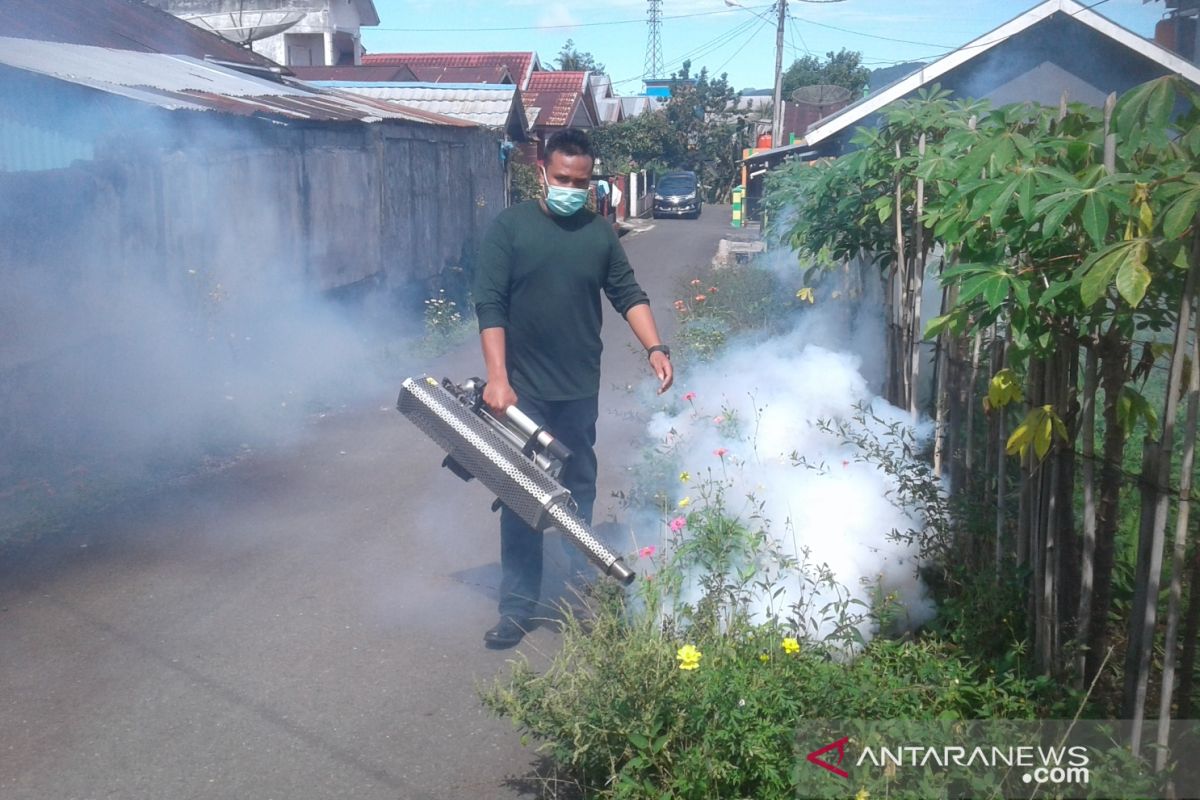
x,y
507,632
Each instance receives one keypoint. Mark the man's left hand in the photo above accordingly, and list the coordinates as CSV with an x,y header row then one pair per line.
x,y
661,364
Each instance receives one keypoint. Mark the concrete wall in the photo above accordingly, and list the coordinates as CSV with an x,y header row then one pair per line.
x,y
328,205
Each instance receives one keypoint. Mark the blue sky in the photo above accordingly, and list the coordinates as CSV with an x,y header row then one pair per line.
x,y
739,41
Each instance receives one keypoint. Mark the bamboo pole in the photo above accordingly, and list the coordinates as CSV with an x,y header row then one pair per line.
x,y
1179,553
1091,381
1001,462
903,279
1160,482
918,283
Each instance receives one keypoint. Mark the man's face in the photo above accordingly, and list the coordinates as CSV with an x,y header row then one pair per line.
x,y
572,172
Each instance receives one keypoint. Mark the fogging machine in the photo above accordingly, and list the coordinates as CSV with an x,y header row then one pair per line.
x,y
514,457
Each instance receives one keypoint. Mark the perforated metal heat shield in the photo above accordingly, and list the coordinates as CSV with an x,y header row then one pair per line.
x,y
529,492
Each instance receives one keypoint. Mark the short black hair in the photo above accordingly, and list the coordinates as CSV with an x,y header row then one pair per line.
x,y
570,142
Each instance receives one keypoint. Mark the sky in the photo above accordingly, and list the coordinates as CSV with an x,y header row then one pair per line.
x,y
738,41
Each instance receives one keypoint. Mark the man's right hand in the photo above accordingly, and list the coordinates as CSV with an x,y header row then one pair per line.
x,y
498,396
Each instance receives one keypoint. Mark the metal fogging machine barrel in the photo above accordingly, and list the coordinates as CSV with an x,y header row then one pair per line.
x,y
518,460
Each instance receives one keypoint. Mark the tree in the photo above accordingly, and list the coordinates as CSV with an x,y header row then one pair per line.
x,y
701,129
843,68
571,60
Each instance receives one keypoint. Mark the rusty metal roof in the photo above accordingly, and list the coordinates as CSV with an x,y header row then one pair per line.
x,y
357,74
122,24
182,82
435,73
521,65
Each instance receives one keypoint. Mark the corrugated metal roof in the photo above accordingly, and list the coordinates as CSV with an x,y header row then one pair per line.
x,y
483,104
182,82
121,24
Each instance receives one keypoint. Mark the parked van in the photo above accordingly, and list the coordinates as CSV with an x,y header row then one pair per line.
x,y
677,195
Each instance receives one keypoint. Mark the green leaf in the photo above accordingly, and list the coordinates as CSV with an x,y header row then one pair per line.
x,y
1055,289
1003,200
1055,213
1025,191
995,290
1095,218
639,741
939,324
1102,265
1159,105
1133,278
1180,214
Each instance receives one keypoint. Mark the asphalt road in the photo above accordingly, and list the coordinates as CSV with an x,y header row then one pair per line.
x,y
304,624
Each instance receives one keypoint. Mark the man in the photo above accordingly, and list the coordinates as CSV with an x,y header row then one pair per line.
x,y
541,268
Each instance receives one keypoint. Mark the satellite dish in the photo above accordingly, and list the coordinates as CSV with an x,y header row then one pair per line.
x,y
245,27
821,95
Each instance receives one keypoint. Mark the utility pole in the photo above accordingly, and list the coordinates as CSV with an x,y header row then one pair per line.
x,y
777,120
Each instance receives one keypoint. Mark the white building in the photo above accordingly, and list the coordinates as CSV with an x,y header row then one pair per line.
x,y
302,33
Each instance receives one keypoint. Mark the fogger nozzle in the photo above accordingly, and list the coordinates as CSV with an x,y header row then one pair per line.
x,y
520,473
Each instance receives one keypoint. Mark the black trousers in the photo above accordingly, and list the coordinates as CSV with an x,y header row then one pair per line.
x,y
573,422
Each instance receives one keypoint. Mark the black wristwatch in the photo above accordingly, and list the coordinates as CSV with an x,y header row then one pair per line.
x,y
658,348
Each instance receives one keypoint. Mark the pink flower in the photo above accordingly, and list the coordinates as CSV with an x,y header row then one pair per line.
x,y
696,282
845,464
720,452
700,298
690,396
677,524
646,551
718,420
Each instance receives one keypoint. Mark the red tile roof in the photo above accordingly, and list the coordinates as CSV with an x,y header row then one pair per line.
x,y
555,109
520,65
120,25
558,82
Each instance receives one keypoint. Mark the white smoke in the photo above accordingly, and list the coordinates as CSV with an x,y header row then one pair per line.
x,y
746,421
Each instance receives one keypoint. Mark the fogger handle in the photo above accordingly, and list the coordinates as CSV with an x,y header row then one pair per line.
x,y
553,447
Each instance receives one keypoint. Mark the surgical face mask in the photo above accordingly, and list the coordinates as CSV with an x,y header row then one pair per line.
x,y
562,200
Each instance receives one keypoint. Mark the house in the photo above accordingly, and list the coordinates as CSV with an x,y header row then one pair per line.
x,y
608,105
302,33
557,100
499,67
1057,48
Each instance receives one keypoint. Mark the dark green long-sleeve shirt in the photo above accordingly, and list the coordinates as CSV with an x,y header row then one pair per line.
x,y
540,277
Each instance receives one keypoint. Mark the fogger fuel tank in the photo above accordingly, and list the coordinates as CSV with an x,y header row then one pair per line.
x,y
514,458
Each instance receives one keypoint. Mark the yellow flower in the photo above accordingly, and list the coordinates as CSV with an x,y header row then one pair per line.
x,y
863,794
763,657
684,477
806,294
684,502
790,646
688,657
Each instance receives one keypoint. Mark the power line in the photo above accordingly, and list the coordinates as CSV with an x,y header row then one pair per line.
x,y
749,39
561,26
706,48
